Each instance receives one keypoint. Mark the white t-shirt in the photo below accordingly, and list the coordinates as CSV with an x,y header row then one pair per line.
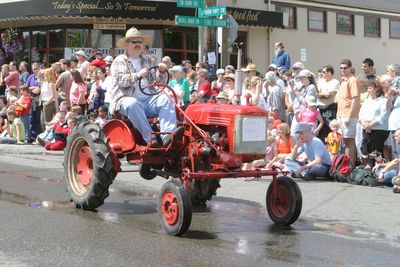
x,y
325,87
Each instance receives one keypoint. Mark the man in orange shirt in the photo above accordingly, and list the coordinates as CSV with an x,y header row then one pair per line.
x,y
348,99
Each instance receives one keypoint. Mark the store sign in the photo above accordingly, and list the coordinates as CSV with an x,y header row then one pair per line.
x,y
107,26
69,52
107,10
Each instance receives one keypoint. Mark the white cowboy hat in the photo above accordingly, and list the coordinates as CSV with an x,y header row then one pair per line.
x,y
132,33
80,52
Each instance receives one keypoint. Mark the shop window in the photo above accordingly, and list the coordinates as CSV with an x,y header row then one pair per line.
x,y
372,26
290,11
344,23
173,40
394,29
180,45
316,20
102,39
77,38
56,38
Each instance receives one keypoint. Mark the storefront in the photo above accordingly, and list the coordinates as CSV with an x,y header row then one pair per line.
x,y
51,26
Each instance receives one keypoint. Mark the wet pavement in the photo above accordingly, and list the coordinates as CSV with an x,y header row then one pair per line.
x,y
41,227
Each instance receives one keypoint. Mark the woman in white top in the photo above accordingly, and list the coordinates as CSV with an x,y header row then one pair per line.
x,y
253,93
48,95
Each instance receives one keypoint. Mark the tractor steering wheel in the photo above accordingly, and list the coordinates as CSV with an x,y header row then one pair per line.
x,y
150,82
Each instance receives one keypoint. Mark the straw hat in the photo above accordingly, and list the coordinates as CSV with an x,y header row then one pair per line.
x,y
250,67
229,76
132,33
223,95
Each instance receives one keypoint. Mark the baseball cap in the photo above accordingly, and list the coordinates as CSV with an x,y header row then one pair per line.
x,y
298,65
176,68
303,127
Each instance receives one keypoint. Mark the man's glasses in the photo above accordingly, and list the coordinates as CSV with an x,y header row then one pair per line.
x,y
135,41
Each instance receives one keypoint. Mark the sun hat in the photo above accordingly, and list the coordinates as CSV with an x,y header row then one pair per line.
x,y
223,95
305,73
176,68
273,66
229,76
80,52
230,67
220,71
108,58
303,127
132,33
250,67
298,65
311,100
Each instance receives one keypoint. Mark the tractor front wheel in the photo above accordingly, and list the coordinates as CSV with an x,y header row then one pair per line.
x,y
175,208
284,207
88,167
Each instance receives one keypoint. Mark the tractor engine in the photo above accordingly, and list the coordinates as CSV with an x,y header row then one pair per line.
x,y
238,134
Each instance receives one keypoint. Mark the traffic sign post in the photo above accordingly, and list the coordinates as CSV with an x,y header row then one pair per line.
x,y
199,22
212,11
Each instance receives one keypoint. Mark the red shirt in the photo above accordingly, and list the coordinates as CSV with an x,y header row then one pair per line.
x,y
26,99
206,88
100,63
12,79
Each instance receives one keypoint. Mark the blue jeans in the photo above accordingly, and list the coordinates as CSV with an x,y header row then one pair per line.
x,y
318,170
138,111
25,121
387,175
34,119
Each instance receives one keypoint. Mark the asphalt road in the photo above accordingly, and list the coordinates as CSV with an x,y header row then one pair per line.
x,y
340,225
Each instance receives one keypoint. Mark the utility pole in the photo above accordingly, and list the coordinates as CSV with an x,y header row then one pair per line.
x,y
208,39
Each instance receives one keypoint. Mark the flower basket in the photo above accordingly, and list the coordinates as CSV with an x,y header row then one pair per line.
x,y
12,41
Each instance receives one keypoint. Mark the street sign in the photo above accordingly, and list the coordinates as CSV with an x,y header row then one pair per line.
x,y
206,22
212,11
189,3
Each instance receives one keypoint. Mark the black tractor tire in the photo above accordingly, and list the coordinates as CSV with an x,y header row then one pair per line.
x,y
204,191
145,172
88,166
285,208
174,208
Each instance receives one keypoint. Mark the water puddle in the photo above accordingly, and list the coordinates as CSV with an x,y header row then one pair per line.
x,y
33,203
23,175
349,230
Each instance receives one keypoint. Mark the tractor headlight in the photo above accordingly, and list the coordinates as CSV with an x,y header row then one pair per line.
x,y
250,136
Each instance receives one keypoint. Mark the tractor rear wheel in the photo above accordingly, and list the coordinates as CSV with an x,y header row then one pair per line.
x,y
88,167
284,208
204,190
174,208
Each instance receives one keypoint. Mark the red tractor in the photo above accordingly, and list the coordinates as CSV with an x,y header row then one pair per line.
x,y
212,142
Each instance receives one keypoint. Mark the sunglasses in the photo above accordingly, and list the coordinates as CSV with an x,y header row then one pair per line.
x,y
135,41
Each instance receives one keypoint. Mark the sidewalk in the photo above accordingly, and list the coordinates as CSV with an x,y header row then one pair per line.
x,y
326,203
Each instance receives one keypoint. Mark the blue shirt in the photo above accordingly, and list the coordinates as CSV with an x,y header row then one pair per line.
x,y
315,148
32,81
282,61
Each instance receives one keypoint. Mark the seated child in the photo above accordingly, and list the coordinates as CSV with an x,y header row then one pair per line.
x,y
15,129
102,116
61,132
271,152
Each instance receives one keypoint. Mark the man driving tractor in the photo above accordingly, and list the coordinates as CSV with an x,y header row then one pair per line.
x,y
129,100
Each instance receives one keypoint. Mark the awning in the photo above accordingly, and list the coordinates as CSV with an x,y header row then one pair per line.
x,y
159,10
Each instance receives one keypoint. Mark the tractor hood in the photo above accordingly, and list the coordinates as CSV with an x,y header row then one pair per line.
x,y
219,114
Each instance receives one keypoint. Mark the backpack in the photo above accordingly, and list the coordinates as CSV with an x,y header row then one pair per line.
x,y
340,168
362,176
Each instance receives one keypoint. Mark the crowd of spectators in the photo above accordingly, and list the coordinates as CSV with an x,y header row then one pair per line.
x,y
312,117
